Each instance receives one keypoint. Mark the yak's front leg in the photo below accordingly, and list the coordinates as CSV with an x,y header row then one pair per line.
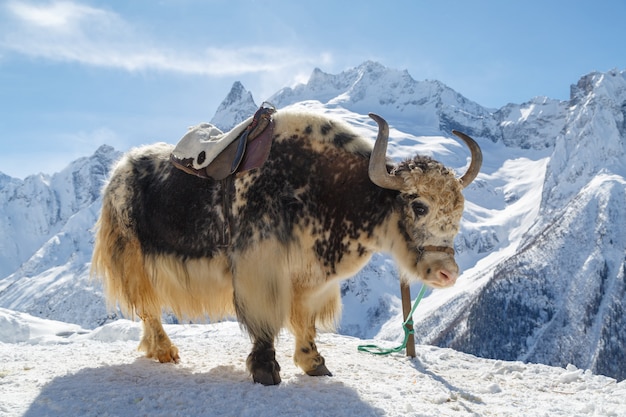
x,y
155,342
262,305
262,363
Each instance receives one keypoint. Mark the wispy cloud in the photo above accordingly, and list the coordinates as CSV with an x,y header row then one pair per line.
x,y
72,32
60,16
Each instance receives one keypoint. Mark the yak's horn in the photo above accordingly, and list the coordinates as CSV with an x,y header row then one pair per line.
x,y
378,160
477,158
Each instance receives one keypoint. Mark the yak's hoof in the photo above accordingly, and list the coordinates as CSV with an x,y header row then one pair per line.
x,y
166,355
264,367
321,370
266,378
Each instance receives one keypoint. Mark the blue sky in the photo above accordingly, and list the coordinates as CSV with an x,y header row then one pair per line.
x,y
78,74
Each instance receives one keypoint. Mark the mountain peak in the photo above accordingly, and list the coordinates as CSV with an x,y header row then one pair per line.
x,y
104,150
236,107
237,93
593,139
422,107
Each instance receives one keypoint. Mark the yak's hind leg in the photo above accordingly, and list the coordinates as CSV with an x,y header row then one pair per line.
x,y
155,341
308,309
119,261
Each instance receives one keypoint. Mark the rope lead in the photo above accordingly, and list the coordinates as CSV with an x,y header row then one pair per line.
x,y
377,350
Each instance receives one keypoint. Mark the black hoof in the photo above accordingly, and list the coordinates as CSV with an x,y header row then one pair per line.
x,y
321,370
266,378
264,367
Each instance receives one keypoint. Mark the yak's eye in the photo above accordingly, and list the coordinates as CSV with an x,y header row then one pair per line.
x,y
419,208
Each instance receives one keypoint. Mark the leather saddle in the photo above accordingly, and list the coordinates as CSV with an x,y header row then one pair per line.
x,y
207,152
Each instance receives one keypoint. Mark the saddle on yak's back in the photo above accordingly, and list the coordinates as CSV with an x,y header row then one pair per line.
x,y
208,152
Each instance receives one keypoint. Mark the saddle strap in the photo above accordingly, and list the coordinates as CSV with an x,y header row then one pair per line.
x,y
237,157
262,118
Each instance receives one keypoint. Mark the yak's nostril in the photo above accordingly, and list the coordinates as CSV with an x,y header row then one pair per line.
x,y
447,276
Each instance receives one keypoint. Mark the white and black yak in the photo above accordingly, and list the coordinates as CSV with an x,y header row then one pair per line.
x,y
270,245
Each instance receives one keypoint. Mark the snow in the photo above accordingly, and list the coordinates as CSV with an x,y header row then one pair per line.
x,y
58,369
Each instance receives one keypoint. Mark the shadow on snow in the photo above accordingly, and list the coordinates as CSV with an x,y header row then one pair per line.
x,y
148,388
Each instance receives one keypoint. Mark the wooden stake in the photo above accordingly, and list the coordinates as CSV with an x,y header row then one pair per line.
x,y
405,292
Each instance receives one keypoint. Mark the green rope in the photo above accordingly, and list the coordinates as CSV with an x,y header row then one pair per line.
x,y
376,350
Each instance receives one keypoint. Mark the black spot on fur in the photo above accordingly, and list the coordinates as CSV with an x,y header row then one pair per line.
x,y
177,213
326,127
341,139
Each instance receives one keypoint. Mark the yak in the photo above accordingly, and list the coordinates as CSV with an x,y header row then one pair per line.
x,y
271,244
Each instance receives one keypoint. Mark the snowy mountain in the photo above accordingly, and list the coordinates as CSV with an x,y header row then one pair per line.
x,y
541,244
236,107
560,298
47,241
37,208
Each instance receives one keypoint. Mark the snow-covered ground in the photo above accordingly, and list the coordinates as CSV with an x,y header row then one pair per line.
x,y
50,368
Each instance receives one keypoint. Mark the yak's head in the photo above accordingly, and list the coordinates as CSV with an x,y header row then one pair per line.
x,y
431,204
